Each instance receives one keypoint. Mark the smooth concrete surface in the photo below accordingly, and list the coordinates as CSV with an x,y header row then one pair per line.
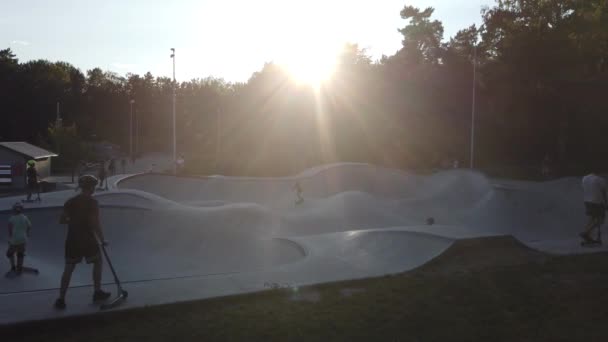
x,y
175,239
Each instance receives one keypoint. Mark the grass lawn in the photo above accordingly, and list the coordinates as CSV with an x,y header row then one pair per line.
x,y
479,290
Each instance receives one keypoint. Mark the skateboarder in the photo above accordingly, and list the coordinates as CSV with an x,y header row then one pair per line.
x,y
19,227
81,214
594,189
32,180
298,189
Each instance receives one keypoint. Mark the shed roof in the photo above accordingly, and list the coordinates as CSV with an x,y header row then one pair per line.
x,y
28,150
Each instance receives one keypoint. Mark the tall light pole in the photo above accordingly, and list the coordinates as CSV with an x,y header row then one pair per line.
x,y
136,132
58,119
218,142
472,157
174,141
131,130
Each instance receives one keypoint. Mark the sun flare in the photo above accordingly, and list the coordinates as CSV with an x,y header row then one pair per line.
x,y
312,66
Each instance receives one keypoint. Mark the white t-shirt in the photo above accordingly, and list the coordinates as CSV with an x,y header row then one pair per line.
x,y
594,188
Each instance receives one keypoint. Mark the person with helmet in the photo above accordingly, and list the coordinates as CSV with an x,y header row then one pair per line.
x,y
19,227
81,214
32,180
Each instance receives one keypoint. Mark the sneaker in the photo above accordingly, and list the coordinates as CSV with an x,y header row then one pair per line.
x,y
60,304
13,269
101,295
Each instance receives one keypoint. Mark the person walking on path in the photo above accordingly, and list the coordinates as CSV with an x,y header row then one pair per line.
x,y
81,214
594,189
123,163
19,227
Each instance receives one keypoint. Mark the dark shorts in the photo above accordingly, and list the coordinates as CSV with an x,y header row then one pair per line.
x,y
12,249
74,253
595,210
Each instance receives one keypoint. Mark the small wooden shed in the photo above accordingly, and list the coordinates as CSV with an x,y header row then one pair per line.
x,y
13,159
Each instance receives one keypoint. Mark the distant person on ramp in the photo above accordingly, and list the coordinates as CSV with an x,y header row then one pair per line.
x,y
102,177
180,164
298,189
81,214
112,167
19,227
594,189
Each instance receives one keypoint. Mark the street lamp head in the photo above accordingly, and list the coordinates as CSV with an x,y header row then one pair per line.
x,y
132,101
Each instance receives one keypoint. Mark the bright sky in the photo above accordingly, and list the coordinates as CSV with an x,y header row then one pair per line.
x,y
222,38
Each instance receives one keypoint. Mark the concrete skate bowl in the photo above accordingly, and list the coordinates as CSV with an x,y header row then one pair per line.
x,y
533,211
361,254
151,245
321,182
133,199
350,196
390,251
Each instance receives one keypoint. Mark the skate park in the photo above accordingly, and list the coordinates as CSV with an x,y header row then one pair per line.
x,y
177,239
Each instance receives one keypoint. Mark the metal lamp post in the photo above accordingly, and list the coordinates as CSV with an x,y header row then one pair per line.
x,y
472,157
174,139
131,130
136,132
218,141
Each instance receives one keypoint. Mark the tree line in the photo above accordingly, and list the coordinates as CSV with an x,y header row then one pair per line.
x,y
540,86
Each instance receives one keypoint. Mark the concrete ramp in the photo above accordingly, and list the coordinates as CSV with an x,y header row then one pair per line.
x,y
183,238
147,245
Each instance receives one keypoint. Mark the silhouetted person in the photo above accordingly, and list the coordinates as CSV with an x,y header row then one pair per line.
x,y
32,180
123,163
112,167
102,177
81,214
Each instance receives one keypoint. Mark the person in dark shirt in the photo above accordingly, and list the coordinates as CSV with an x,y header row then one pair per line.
x,y
32,180
112,167
81,214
